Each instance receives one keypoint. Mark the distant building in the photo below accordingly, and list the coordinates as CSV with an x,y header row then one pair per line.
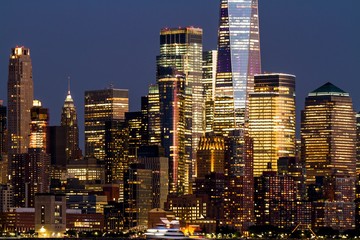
x,y
50,215
3,130
70,124
101,106
20,100
38,126
272,120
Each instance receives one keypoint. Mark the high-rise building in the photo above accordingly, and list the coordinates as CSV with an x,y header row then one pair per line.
x,y
38,126
69,122
3,129
20,100
154,115
239,192
358,143
238,62
272,120
181,48
209,80
328,133
172,122
101,106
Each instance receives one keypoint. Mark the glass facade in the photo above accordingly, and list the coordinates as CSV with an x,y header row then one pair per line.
x,y
101,106
272,120
238,61
38,126
181,48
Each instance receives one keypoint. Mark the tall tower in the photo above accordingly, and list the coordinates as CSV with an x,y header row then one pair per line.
x,y
172,122
3,129
20,100
69,122
181,48
328,133
238,62
272,120
101,106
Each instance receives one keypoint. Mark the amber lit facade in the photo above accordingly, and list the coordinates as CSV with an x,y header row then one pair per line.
x,y
272,120
328,133
38,126
101,106
20,100
181,48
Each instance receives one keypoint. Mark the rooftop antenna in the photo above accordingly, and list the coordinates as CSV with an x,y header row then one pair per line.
x,y
68,85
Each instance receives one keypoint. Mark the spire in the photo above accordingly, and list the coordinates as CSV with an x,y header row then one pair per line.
x,y
68,85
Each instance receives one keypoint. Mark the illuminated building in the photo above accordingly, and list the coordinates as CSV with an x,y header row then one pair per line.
x,y
69,122
153,158
101,106
137,195
272,120
87,204
154,115
50,215
358,143
116,151
57,145
238,62
87,170
239,188
328,133
209,80
210,155
3,130
38,126
135,124
172,122
181,48
276,202
30,175
20,100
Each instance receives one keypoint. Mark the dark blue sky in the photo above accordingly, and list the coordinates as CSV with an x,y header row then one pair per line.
x,y
114,41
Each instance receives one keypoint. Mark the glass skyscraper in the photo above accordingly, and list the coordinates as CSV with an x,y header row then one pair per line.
x,y
238,62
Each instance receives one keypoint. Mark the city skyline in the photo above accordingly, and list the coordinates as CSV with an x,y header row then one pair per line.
x,y
74,39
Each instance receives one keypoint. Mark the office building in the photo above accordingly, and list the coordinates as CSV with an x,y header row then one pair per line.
x,y
358,143
238,62
101,106
153,158
38,126
20,100
328,133
181,48
272,120
70,124
3,130
50,215
153,111
172,122
208,80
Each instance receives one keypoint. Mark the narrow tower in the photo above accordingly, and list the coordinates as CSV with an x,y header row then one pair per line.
x,y
20,100
69,122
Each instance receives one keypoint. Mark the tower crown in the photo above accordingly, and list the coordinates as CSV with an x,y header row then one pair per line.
x,y
328,89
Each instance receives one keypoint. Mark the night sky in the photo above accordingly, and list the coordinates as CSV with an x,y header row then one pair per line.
x,y
103,42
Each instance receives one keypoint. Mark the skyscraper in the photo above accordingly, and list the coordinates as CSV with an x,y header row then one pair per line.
x,y
272,120
328,133
20,100
181,48
209,80
38,126
172,122
238,62
3,129
101,106
69,122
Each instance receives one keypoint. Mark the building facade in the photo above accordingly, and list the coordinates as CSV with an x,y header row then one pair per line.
x,y
101,106
20,100
272,120
238,62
